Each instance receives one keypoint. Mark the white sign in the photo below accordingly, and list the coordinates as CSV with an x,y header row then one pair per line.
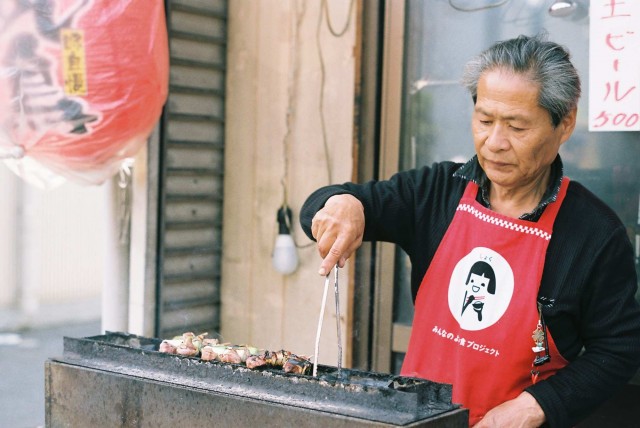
x,y
614,65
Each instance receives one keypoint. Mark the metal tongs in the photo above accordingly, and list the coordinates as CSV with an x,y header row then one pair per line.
x,y
321,318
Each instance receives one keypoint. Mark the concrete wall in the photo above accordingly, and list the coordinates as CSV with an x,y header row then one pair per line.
x,y
51,253
8,247
274,67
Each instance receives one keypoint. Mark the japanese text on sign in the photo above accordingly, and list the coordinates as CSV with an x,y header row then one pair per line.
x,y
75,77
614,65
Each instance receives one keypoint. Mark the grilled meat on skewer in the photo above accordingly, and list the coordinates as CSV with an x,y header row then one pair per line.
x,y
190,345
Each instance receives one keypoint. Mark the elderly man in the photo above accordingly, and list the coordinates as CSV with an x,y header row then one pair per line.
x,y
523,280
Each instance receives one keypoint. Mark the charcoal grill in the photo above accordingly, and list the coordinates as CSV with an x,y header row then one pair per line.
x,y
119,379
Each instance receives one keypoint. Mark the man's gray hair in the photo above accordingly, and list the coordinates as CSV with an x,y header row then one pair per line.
x,y
545,63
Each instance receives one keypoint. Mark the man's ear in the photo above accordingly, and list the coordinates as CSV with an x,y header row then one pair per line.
x,y
568,124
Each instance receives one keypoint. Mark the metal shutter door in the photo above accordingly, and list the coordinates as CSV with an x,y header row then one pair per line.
x,y
191,170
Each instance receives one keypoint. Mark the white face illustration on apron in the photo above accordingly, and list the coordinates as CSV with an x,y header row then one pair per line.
x,y
480,289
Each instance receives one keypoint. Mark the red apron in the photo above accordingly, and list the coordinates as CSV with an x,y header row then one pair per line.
x,y
476,308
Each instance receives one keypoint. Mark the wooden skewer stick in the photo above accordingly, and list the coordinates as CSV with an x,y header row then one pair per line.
x,y
320,319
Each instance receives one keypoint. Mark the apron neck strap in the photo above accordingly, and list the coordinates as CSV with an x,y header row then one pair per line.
x,y
550,212
553,207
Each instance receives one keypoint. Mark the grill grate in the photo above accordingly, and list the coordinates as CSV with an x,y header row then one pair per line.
x,y
370,396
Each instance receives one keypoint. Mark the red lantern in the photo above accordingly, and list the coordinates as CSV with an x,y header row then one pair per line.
x,y
82,83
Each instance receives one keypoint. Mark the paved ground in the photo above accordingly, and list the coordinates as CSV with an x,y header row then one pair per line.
x,y
22,357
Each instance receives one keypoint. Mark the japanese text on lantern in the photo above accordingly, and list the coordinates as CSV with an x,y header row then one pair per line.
x,y
73,60
614,65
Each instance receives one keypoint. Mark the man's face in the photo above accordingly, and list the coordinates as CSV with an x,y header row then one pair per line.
x,y
513,136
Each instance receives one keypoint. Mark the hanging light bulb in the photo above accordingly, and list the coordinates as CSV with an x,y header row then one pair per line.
x,y
285,254
572,10
561,9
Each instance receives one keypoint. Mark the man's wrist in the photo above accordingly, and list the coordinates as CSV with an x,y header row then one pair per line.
x,y
533,409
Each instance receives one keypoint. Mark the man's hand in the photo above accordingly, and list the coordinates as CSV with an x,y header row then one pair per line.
x,y
521,412
338,229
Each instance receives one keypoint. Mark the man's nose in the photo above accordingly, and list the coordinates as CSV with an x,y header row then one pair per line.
x,y
497,138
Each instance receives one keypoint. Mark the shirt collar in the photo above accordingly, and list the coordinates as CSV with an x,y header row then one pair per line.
x,y
471,171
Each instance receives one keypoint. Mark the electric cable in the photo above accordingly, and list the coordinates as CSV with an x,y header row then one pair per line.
x,y
324,11
290,114
476,9
291,91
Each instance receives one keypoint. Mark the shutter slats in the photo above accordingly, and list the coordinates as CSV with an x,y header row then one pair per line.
x,y
190,221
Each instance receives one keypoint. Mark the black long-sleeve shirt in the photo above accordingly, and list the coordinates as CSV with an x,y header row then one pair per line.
x,y
588,286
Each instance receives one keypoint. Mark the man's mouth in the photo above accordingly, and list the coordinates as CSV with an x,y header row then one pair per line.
x,y
496,164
